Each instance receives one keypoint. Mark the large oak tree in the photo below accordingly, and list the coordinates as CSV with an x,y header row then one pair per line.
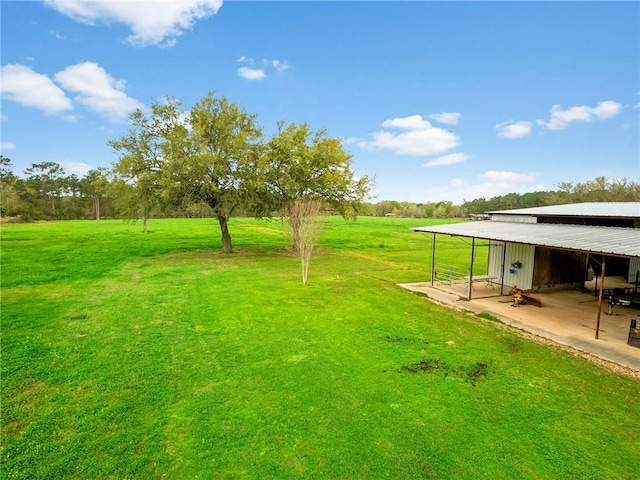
x,y
216,155
215,162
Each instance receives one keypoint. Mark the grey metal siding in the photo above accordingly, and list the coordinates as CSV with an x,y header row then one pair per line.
x,y
634,266
494,262
498,217
522,276
513,277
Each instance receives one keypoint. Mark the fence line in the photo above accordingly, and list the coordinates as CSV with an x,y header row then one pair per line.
x,y
449,274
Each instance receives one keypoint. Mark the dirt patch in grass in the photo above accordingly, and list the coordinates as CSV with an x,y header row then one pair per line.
x,y
405,340
472,373
30,397
14,428
32,392
428,365
477,372
513,343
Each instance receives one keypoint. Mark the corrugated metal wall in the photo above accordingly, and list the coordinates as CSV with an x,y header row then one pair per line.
x,y
494,262
520,277
497,217
634,266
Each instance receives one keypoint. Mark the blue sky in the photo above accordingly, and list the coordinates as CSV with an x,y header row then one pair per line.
x,y
436,100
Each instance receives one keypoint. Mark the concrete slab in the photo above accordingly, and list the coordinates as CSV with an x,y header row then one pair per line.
x,y
567,318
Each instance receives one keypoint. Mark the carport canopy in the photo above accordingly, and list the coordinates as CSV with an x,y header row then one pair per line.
x,y
614,241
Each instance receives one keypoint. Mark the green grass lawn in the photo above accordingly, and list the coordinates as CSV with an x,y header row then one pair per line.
x,y
128,356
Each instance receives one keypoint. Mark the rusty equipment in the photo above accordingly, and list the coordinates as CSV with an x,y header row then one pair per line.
x,y
523,297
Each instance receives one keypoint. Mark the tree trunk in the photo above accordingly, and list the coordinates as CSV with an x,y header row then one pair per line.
x,y
96,206
305,259
144,224
226,238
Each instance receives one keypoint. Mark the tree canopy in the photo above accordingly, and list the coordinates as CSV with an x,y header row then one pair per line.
x,y
301,167
142,158
310,165
217,155
214,160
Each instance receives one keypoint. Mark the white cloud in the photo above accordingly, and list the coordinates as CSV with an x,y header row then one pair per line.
x,y
7,146
279,65
608,109
561,119
413,122
57,35
252,73
447,160
260,73
490,184
97,90
505,177
511,129
420,138
450,118
152,22
26,87
79,168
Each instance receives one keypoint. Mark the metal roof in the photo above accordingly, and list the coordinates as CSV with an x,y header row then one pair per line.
x,y
617,241
591,209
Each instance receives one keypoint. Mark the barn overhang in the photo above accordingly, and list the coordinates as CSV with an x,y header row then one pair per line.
x,y
592,240
612,241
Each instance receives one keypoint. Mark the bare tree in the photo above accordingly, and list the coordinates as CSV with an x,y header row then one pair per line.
x,y
304,226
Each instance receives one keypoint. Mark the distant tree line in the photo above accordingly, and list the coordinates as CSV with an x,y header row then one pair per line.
x,y
48,192
415,210
599,189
